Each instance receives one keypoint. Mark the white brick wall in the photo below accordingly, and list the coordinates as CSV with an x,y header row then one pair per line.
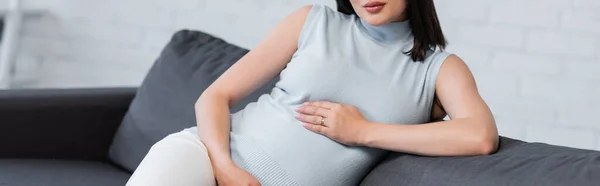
x,y
561,43
480,36
530,13
536,61
566,136
586,3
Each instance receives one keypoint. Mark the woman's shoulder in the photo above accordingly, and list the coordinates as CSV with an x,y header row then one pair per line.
x,y
315,12
320,21
322,8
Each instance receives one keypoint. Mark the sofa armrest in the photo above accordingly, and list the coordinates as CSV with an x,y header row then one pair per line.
x,y
516,163
61,123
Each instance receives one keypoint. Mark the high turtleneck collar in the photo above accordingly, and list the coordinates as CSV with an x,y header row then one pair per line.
x,y
388,33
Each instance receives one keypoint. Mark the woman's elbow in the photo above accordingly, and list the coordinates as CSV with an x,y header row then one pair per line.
x,y
201,100
210,96
487,139
487,143
487,147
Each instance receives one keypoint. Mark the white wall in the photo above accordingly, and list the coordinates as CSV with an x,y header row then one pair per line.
x,y
535,61
84,43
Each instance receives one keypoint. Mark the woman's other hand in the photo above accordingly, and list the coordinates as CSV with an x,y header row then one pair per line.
x,y
340,122
234,176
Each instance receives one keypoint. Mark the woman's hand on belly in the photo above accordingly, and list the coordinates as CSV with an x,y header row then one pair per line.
x,y
340,122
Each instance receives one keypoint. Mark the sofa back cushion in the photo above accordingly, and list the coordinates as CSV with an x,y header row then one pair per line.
x,y
164,103
515,163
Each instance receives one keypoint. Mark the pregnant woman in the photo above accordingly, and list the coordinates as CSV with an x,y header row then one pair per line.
x,y
354,84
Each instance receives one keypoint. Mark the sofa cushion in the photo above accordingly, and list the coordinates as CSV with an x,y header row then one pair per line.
x,y
516,163
164,103
14,172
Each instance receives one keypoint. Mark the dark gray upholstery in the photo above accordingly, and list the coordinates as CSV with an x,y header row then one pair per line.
x,y
14,172
165,101
61,123
516,163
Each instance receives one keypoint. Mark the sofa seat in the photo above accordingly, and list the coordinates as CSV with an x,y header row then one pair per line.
x,y
22,172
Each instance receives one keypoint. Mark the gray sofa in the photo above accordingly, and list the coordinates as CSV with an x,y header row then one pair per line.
x,y
67,137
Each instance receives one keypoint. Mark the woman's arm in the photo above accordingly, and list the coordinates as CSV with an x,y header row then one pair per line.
x,y
471,130
252,71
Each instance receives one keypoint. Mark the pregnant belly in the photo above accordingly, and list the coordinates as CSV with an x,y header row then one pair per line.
x,y
307,157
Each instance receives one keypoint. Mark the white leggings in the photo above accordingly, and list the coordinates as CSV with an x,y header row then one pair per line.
x,y
179,159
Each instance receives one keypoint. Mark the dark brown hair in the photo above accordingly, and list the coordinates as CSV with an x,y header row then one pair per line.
x,y
423,22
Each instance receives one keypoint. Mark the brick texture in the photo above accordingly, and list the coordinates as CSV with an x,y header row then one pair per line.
x,y
536,62
561,43
521,62
573,137
587,3
511,127
519,13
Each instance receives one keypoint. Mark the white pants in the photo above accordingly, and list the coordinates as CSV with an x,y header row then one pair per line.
x,y
179,159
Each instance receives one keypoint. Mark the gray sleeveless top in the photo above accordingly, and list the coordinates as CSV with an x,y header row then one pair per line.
x,y
340,59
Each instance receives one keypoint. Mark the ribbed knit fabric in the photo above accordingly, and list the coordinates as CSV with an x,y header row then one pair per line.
x,y
341,59
267,171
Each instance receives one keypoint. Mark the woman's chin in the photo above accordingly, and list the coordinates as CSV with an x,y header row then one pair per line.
x,y
375,20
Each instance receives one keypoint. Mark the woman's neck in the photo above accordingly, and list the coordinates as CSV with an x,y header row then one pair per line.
x,y
390,32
